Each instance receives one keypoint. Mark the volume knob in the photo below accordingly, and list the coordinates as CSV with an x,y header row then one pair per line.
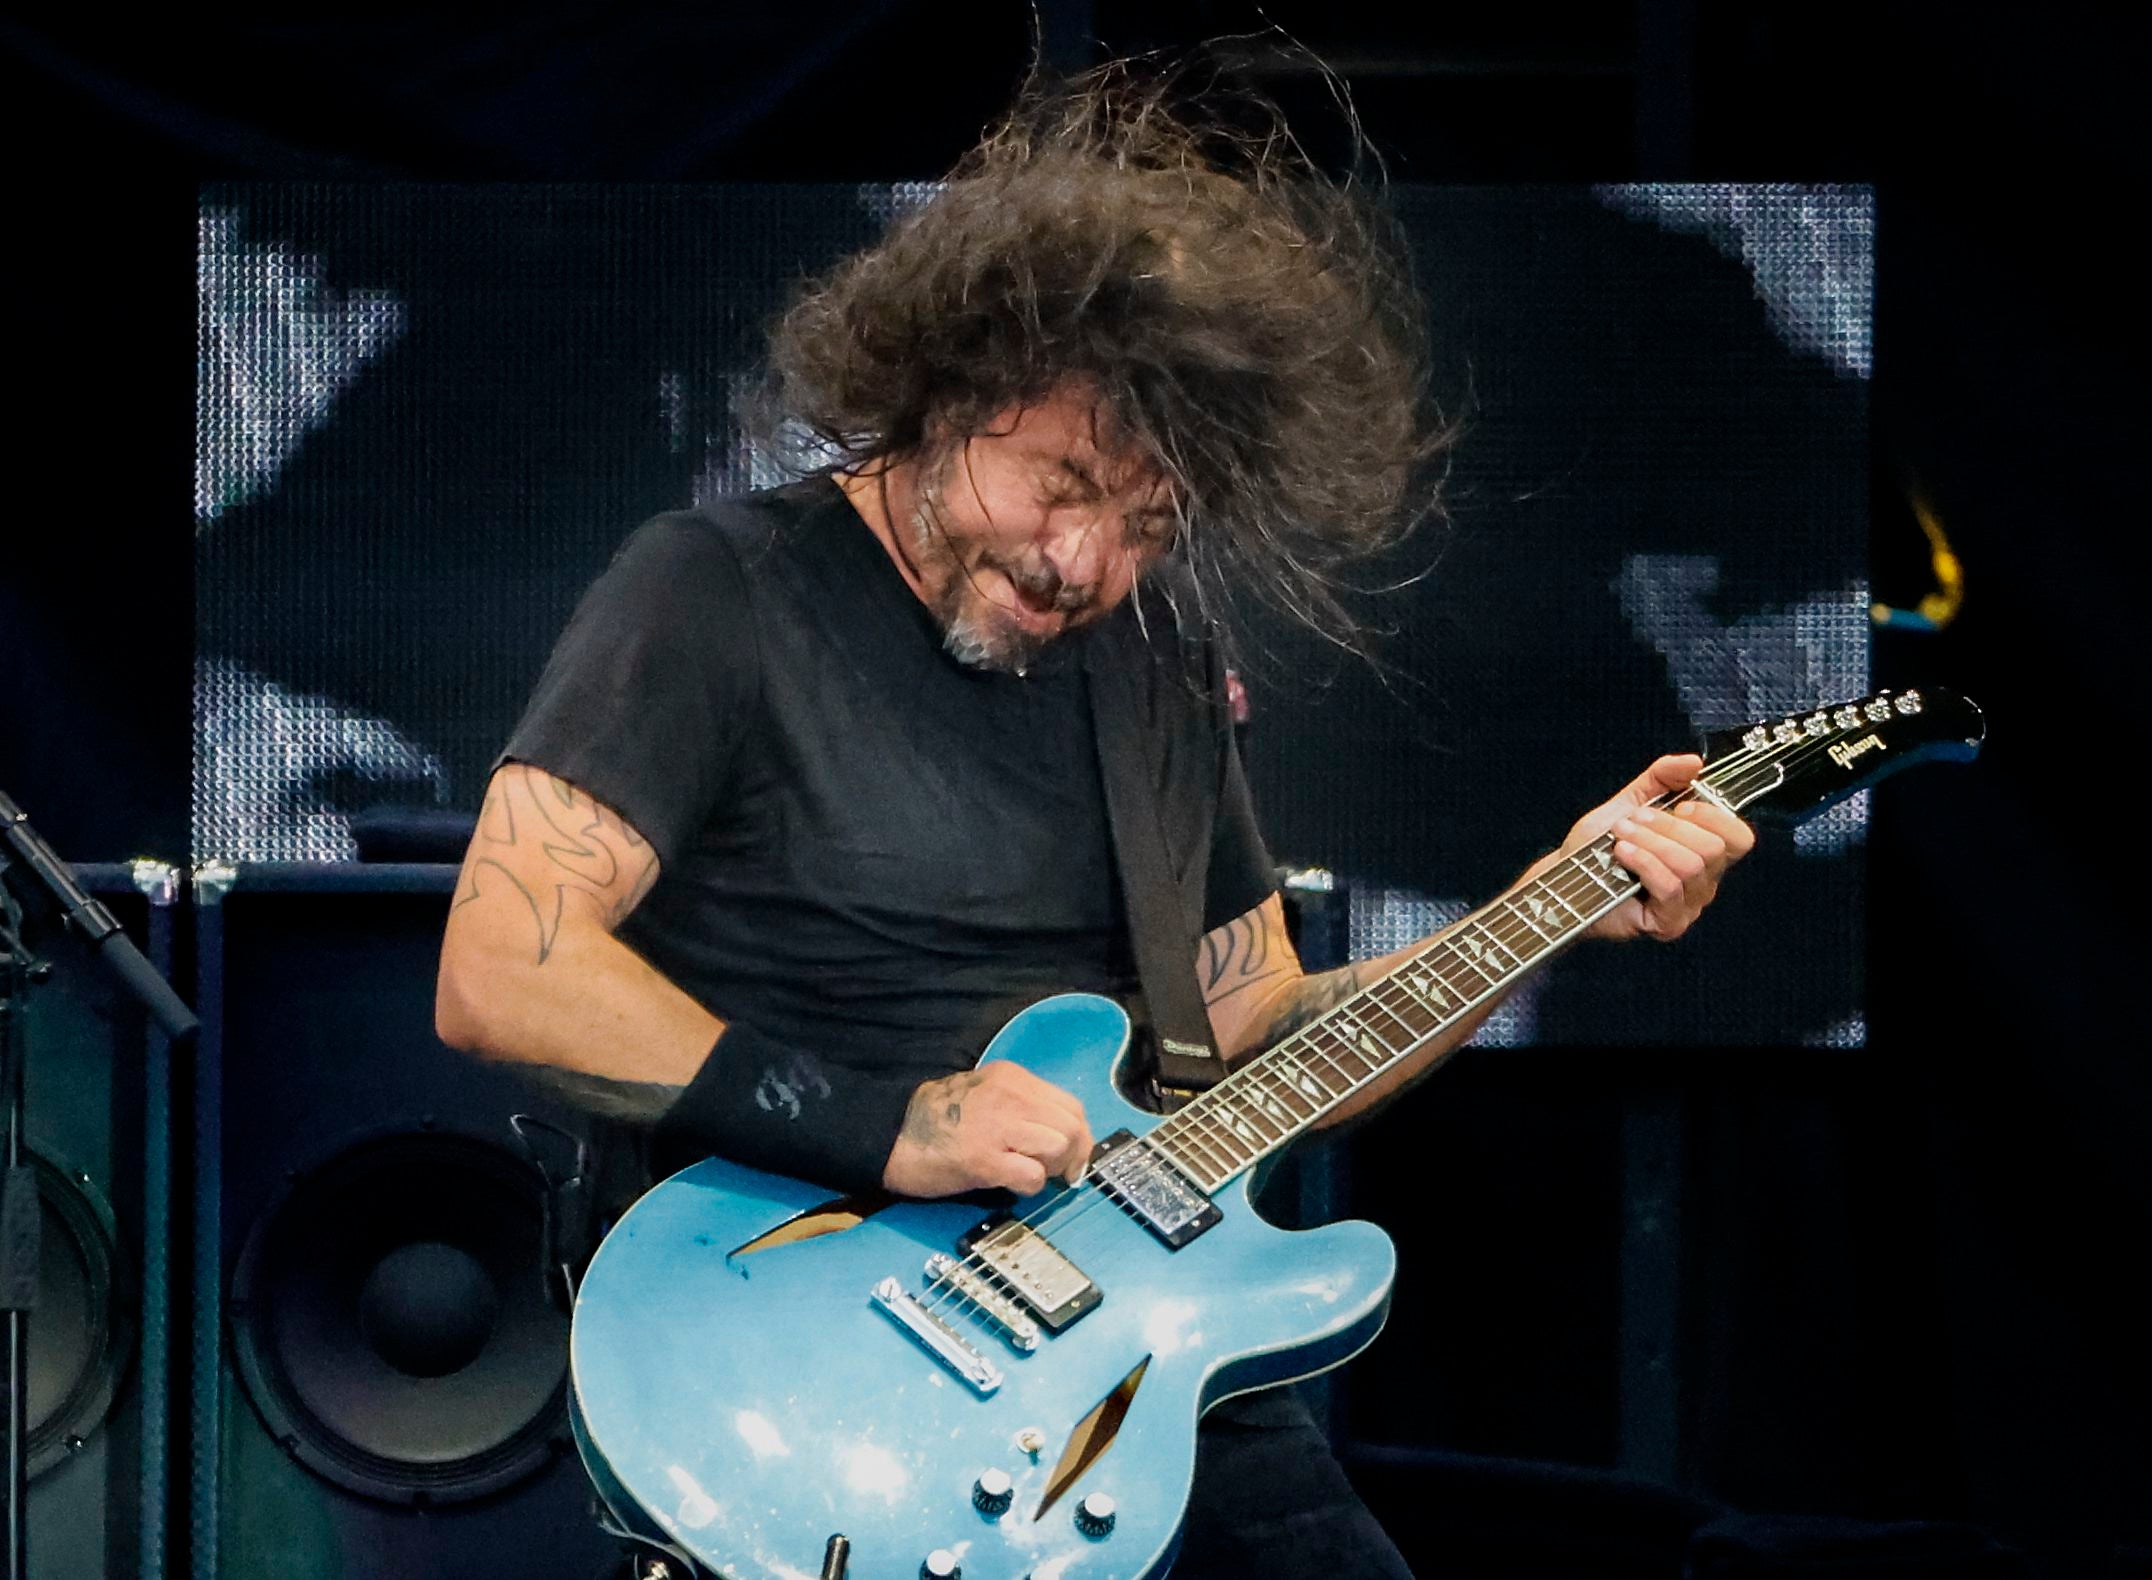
x,y
1094,1516
993,1492
940,1565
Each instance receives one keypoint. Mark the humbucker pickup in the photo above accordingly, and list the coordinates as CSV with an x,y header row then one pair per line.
x,y
1055,1288
1151,1190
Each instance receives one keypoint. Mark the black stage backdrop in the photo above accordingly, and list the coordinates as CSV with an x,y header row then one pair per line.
x,y
427,415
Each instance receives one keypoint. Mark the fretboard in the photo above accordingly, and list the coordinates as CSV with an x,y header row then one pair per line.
x,y
1288,1088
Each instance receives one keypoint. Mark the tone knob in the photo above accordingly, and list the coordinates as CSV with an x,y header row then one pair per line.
x,y
993,1492
1094,1516
940,1564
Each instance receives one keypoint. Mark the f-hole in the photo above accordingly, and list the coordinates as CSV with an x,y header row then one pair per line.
x,y
831,1217
1094,1434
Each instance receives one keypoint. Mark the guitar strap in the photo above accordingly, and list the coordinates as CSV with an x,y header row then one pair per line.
x,y
1184,1063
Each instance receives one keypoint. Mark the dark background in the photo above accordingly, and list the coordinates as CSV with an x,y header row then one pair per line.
x,y
1911,1271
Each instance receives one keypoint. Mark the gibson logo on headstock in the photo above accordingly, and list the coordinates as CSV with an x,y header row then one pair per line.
x,y
1843,752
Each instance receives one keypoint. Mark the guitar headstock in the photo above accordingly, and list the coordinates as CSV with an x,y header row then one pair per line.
x,y
1798,765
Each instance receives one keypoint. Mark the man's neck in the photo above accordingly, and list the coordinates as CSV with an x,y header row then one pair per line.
x,y
877,495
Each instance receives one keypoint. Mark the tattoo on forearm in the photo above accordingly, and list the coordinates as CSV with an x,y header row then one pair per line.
x,y
1237,957
639,1102
937,1107
1308,999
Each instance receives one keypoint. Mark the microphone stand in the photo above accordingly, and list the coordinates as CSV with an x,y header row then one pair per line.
x,y
20,1209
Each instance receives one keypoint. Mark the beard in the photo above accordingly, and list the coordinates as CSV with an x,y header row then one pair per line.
x,y
977,631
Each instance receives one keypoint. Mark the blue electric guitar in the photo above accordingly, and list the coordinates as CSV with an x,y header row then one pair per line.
x,y
758,1369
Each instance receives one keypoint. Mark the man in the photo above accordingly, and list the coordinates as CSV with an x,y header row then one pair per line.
x,y
808,801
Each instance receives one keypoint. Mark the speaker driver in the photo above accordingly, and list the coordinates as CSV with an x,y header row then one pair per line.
x,y
391,1324
82,1331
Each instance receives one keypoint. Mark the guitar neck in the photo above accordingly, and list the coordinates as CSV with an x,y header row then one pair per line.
x,y
1293,1085
1799,764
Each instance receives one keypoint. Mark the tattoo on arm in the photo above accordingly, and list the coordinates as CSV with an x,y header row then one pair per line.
x,y
639,1102
1236,957
1308,999
591,849
548,930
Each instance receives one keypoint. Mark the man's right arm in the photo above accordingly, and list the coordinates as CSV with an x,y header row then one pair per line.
x,y
532,973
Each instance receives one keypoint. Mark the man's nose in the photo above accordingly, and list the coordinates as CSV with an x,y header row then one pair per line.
x,y
1077,550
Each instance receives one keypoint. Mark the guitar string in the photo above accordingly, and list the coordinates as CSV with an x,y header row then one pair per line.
x,y
1076,1202
1184,1126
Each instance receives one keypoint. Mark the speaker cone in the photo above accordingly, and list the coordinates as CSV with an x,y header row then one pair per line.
x,y
391,1323
82,1330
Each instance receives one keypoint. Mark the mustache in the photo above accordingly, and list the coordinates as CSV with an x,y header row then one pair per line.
x,y
1044,583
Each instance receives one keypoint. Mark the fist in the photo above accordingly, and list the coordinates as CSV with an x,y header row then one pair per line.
x,y
996,1127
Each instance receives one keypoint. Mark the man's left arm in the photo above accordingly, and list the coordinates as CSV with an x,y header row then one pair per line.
x,y
1257,993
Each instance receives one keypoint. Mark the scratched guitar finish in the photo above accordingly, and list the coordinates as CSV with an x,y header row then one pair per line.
x,y
756,1369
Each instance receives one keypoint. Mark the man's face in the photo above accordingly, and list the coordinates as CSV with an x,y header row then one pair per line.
x,y
1029,530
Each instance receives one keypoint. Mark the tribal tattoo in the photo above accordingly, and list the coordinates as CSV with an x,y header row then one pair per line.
x,y
586,848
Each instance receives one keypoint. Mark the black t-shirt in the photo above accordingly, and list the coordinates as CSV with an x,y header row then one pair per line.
x,y
868,849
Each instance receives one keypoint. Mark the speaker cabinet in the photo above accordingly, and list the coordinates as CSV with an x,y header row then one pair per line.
x,y
381,1375
97,1136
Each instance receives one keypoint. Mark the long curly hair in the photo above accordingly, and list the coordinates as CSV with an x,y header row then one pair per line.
x,y
1249,323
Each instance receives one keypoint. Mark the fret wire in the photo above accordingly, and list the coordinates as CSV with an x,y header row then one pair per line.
x,y
1459,959
1396,1019
1187,1125
1382,1054
1531,921
1276,1086
1414,1034
1249,1113
1283,1054
1400,996
1305,1037
1277,1103
1340,1058
1271,1104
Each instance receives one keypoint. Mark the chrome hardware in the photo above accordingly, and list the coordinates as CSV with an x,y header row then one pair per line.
x,y
158,880
940,1564
213,880
1704,792
1817,724
1909,702
1847,717
1031,1441
1025,1261
1757,738
1021,1332
1095,1515
942,1341
1786,732
992,1493
1878,710
1151,1190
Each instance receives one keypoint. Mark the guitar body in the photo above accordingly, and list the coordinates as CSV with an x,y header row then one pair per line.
x,y
746,1407
754,1373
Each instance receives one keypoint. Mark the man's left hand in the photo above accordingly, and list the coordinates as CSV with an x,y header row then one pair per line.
x,y
1678,853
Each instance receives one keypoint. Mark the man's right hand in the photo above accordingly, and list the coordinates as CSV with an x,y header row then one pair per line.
x,y
998,1126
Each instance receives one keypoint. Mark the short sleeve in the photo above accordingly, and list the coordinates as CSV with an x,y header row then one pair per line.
x,y
1241,874
653,684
